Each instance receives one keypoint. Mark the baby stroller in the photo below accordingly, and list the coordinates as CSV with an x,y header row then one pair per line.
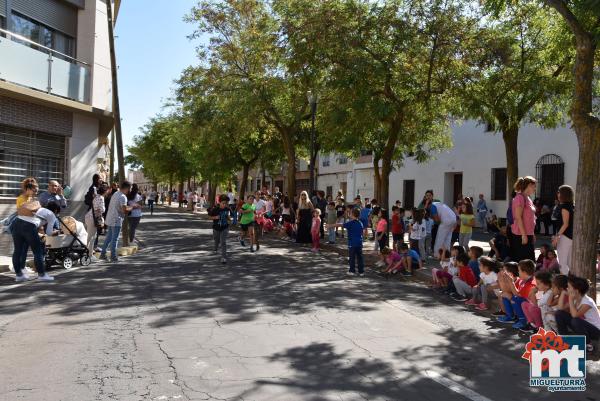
x,y
67,248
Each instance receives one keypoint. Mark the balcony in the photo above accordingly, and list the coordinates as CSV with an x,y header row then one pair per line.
x,y
42,68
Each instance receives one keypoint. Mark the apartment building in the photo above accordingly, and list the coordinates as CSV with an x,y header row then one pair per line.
x,y
55,94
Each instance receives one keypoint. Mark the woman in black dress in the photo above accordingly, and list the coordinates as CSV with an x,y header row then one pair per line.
x,y
304,219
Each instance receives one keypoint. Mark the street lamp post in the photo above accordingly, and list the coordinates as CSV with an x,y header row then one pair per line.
x,y
312,100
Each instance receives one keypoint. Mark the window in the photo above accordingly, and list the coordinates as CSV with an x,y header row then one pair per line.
x,y
325,161
257,184
342,159
499,184
26,153
302,185
43,35
366,152
329,192
408,199
550,174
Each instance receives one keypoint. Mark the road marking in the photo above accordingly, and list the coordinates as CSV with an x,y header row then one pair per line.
x,y
454,386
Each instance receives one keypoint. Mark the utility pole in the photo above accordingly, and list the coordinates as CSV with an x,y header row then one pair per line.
x,y
116,110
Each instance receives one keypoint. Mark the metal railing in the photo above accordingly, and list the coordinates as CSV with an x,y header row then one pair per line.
x,y
30,64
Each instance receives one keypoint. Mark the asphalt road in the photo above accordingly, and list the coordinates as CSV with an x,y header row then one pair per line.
x,y
172,323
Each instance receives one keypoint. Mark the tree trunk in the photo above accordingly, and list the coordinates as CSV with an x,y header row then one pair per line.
x,y
212,193
244,183
511,138
587,128
387,158
384,191
377,177
290,152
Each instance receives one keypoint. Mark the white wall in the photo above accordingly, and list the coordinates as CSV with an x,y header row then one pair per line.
x,y
475,153
84,152
102,80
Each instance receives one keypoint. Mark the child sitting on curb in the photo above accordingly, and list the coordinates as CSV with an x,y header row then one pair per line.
x,y
410,260
447,276
444,257
559,287
543,295
475,252
393,261
488,282
512,269
518,292
465,281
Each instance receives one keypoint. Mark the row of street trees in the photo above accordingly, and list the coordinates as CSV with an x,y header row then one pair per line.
x,y
391,77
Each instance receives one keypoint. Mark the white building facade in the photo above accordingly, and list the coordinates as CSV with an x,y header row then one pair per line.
x,y
476,164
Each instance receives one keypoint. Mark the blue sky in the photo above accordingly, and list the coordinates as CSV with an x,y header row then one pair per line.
x,y
152,50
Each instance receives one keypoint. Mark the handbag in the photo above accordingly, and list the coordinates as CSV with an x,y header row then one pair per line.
x,y
97,220
6,224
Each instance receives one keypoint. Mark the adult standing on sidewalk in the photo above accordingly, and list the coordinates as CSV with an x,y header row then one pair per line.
x,y
152,195
117,210
445,216
482,211
563,240
94,218
53,194
25,233
523,211
134,199
304,219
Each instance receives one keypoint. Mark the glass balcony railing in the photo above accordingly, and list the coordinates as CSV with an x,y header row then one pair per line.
x,y
42,68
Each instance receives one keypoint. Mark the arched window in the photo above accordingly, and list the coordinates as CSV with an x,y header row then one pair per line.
x,y
550,173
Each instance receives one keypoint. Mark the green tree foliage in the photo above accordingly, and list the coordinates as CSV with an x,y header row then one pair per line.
x,y
518,74
390,66
160,150
247,58
581,19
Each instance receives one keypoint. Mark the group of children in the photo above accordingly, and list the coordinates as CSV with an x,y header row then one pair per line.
x,y
529,295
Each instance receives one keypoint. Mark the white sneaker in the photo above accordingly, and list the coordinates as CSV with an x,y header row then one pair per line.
x,y
21,278
94,259
349,273
46,277
223,260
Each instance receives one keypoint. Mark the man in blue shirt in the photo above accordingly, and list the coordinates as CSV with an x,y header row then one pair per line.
x,y
53,194
410,260
355,242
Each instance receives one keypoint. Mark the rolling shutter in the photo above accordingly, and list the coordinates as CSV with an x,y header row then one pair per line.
x,y
52,13
26,153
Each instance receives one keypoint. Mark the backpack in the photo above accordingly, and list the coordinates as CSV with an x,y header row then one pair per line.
x,y
89,198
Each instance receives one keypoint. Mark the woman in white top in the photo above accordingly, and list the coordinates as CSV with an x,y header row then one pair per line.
x,y
94,218
135,215
583,317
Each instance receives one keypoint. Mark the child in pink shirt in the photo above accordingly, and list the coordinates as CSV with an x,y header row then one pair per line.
x,y
315,230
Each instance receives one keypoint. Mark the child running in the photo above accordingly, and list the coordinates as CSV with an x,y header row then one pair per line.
x,y
247,223
220,217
